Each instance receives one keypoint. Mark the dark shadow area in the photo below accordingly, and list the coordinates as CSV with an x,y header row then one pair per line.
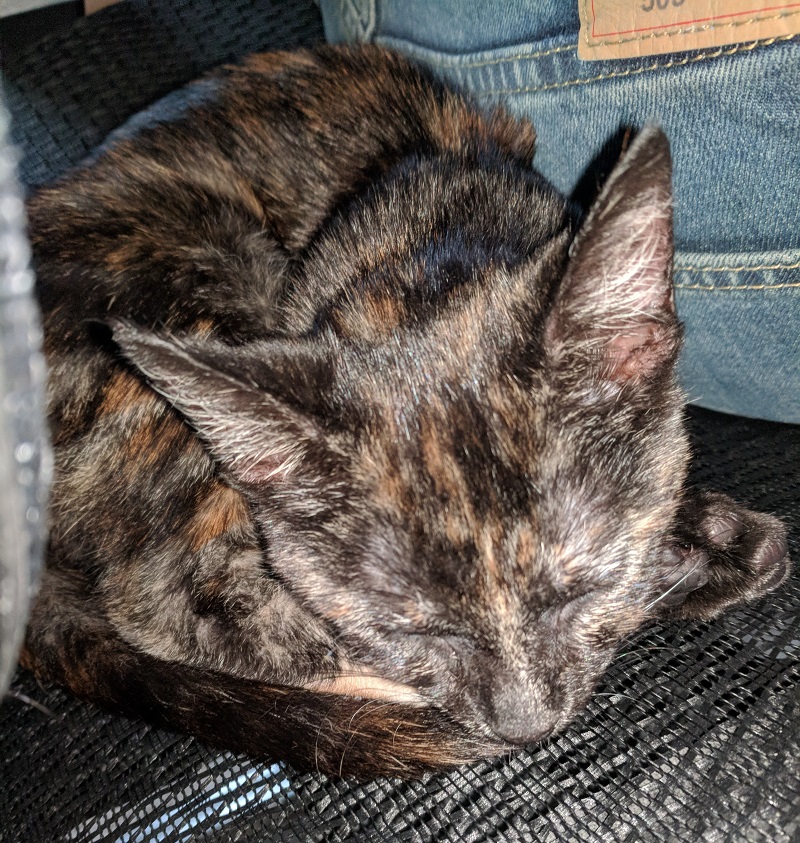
x,y
595,175
20,31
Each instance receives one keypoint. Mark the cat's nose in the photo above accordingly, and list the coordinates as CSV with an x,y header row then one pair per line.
x,y
522,731
517,718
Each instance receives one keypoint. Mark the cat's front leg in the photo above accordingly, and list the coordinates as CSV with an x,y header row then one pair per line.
x,y
722,554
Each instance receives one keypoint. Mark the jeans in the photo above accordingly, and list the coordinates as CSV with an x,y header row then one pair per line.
x,y
733,118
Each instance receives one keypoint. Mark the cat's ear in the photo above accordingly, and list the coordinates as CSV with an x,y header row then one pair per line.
x,y
257,438
615,302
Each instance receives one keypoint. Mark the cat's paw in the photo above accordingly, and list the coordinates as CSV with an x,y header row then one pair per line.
x,y
723,554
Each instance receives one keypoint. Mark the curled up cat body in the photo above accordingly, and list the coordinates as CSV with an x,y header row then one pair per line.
x,y
365,458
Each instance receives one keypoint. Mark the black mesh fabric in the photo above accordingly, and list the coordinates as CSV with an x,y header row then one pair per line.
x,y
69,90
693,736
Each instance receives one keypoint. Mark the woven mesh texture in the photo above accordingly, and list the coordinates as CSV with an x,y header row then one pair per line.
x,y
694,735
71,89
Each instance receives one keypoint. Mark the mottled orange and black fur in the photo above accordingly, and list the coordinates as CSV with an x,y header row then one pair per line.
x,y
382,460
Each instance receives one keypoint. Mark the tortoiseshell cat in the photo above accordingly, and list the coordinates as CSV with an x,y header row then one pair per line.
x,y
419,461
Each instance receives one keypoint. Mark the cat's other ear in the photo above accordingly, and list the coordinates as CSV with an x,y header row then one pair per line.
x,y
257,438
615,302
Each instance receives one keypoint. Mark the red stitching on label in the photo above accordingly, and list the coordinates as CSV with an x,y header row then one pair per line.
x,y
689,22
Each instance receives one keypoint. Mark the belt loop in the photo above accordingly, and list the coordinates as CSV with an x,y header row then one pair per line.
x,y
358,19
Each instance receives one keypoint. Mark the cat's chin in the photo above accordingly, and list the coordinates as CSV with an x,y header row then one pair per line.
x,y
359,682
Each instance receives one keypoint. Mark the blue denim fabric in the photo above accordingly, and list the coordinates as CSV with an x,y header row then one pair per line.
x,y
733,118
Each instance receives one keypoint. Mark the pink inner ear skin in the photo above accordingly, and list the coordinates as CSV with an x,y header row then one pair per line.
x,y
638,353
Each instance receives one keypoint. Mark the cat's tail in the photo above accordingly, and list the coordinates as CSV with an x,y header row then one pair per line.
x,y
72,644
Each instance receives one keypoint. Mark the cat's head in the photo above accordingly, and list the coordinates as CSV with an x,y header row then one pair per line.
x,y
475,488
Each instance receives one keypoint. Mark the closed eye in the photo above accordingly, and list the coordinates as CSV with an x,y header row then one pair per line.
x,y
568,609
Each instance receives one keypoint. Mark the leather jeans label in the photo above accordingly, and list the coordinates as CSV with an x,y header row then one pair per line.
x,y
619,29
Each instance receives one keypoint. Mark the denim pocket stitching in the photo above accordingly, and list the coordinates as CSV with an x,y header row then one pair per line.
x,y
734,268
635,71
566,48
737,268
729,287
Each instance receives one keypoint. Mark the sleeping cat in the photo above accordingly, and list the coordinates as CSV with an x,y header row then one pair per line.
x,y
364,458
